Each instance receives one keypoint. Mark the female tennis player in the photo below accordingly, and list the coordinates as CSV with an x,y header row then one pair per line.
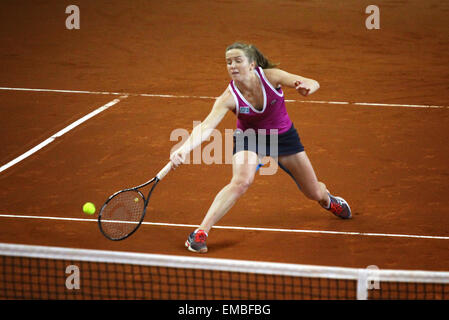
x,y
255,96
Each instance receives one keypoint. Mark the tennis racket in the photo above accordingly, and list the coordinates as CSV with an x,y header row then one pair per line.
x,y
123,212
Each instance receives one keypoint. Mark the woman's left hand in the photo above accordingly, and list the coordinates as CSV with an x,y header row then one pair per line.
x,y
306,87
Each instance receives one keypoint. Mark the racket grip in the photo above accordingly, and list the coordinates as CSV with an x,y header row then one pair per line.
x,y
164,171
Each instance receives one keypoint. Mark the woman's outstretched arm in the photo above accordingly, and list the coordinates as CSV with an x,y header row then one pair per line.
x,y
304,86
202,132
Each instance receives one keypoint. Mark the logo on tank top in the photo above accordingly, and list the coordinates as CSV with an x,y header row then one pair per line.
x,y
244,110
273,102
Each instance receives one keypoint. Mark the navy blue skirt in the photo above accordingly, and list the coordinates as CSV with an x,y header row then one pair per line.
x,y
265,145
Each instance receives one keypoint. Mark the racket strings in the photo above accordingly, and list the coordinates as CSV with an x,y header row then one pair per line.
x,y
122,214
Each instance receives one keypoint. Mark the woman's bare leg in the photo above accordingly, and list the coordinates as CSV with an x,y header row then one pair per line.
x,y
302,171
244,165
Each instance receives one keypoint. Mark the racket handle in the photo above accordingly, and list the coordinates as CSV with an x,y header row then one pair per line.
x,y
164,171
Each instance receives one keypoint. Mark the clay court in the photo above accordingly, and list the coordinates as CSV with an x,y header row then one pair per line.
x,y
376,131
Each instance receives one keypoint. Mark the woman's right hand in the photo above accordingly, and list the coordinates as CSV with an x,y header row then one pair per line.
x,y
178,157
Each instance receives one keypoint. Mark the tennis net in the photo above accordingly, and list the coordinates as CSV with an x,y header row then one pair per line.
x,y
40,272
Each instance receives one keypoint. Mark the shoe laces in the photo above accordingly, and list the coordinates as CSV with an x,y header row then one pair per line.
x,y
200,236
336,206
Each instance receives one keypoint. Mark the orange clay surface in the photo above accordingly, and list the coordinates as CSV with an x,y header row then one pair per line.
x,y
389,162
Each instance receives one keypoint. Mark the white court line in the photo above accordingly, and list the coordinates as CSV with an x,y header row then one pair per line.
x,y
107,93
59,134
206,97
398,105
367,234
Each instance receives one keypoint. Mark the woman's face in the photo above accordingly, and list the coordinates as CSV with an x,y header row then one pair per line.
x,y
238,64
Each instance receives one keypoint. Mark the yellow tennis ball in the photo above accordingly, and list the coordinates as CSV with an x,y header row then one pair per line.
x,y
89,208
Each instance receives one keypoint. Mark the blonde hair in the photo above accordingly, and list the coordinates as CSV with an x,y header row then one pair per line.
x,y
253,54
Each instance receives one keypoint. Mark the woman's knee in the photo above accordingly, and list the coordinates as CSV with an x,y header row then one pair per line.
x,y
241,184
